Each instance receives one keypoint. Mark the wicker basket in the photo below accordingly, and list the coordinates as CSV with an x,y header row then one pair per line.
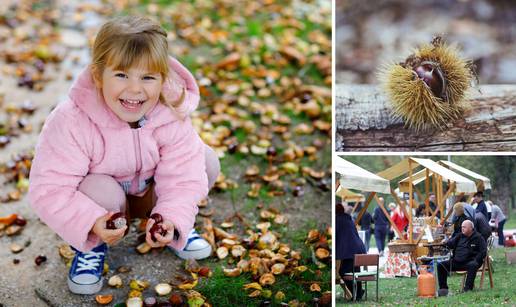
x,y
401,247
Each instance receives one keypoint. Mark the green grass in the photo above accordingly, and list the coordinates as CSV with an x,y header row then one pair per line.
x,y
511,220
403,291
225,291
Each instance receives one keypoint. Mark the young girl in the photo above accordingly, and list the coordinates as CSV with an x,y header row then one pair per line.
x,y
122,142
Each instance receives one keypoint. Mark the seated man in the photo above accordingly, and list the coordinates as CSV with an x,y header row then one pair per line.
x,y
469,251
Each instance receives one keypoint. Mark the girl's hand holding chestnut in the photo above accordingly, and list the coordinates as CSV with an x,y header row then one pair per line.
x,y
109,236
159,232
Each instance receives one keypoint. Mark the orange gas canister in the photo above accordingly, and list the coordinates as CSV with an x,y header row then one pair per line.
x,y
425,284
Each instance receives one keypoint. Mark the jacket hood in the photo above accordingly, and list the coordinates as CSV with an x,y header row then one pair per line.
x,y
469,211
89,99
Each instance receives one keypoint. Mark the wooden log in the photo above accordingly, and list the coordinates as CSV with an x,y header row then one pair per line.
x,y
364,122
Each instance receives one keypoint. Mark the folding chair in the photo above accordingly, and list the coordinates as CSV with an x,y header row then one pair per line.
x,y
364,260
486,265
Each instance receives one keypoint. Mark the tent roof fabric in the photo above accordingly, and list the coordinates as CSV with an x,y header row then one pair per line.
x,y
465,171
348,195
463,184
396,170
416,178
355,177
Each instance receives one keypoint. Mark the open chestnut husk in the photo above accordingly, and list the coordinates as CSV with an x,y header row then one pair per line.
x,y
428,89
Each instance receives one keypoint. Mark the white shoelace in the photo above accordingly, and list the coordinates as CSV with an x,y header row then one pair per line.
x,y
89,261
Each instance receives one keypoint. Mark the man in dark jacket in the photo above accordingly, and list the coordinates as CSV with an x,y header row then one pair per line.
x,y
478,199
469,251
381,227
482,225
365,225
348,244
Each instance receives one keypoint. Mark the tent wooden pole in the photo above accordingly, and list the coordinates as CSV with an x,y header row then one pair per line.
x,y
443,199
434,190
427,188
440,187
400,235
355,207
410,201
434,213
419,195
366,204
451,188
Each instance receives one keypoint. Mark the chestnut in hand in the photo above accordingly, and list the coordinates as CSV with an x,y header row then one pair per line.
x,y
158,219
157,228
116,221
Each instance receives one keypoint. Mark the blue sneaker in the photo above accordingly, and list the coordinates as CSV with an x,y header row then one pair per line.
x,y
85,276
196,247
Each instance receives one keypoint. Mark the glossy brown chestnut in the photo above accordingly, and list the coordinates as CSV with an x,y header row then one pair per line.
x,y
20,221
432,75
158,219
176,299
271,151
157,228
116,221
40,259
298,191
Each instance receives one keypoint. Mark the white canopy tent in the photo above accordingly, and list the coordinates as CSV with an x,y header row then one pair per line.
x,y
486,182
355,177
462,184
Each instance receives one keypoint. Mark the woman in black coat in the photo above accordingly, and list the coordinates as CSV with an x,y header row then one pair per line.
x,y
348,244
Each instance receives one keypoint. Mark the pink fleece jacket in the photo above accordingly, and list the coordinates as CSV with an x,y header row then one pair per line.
x,y
83,136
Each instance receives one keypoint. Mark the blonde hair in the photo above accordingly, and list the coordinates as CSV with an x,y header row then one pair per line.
x,y
127,41
458,209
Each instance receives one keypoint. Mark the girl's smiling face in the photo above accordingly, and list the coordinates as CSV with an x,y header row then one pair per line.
x,y
131,94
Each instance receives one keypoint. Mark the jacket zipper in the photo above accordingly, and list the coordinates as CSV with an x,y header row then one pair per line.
x,y
138,155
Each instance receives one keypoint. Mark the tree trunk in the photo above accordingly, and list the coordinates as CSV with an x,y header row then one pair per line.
x,y
502,191
364,122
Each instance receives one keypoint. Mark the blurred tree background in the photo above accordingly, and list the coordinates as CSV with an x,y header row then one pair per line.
x,y
371,33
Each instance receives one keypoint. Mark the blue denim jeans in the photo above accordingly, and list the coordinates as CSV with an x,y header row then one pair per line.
x,y
380,233
501,238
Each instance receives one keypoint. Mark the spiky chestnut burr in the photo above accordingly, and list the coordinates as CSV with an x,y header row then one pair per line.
x,y
428,89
